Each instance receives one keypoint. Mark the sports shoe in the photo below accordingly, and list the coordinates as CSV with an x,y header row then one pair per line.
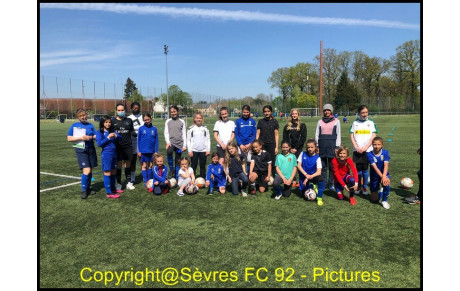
x,y
278,197
294,184
352,201
118,191
151,190
364,191
340,196
130,186
319,201
84,195
386,205
118,186
315,187
179,193
331,188
244,194
170,175
165,191
113,196
413,199
358,191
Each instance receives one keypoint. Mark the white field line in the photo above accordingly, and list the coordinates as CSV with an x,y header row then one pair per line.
x,y
71,177
60,186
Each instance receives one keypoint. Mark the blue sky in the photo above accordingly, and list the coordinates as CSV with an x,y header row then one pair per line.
x,y
227,50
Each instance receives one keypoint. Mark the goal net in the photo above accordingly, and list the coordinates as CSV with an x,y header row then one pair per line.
x,y
305,112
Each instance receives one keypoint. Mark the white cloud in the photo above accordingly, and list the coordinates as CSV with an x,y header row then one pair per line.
x,y
239,15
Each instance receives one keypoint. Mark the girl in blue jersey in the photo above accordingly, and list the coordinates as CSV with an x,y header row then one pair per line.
x,y
379,159
245,130
160,174
309,165
216,175
147,142
82,134
105,139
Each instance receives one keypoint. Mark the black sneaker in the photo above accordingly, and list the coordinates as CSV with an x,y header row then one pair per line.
x,y
90,192
413,199
84,195
170,175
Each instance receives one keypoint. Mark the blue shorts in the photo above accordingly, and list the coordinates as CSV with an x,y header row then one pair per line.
x,y
375,183
109,162
86,158
218,182
146,158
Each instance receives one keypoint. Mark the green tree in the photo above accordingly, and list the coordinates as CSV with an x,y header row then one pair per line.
x,y
347,97
177,97
136,97
130,87
281,79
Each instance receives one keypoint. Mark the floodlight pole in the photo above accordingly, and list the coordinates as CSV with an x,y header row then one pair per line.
x,y
321,78
167,91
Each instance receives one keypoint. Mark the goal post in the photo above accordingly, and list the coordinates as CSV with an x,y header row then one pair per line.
x,y
308,111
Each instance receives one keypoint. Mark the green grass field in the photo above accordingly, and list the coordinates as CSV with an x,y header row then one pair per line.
x,y
224,240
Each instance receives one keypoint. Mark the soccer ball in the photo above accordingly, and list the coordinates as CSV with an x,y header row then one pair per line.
x,y
149,183
172,182
407,183
310,194
200,182
191,189
270,183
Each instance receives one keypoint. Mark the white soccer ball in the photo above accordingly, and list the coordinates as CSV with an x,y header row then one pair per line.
x,y
270,183
172,182
149,183
310,194
191,189
407,183
200,182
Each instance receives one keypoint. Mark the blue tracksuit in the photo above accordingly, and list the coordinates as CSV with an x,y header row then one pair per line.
x,y
245,131
219,176
161,179
108,157
147,139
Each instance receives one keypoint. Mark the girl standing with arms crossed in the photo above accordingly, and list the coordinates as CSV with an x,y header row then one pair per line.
x,y
224,132
175,138
363,131
328,139
147,142
267,132
105,139
198,144
295,132
82,134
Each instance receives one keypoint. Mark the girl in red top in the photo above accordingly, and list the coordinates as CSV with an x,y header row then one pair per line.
x,y
342,165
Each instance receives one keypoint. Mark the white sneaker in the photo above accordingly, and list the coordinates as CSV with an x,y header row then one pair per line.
x,y
180,193
244,194
118,186
365,191
278,197
386,205
130,186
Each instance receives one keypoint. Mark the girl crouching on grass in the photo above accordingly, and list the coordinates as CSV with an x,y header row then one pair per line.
x,y
342,165
235,167
160,174
286,170
310,167
185,176
261,167
379,159
216,175
105,139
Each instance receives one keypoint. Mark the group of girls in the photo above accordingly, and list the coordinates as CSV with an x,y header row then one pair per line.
x,y
247,155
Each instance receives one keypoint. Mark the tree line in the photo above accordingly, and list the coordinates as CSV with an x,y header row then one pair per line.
x,y
349,79
353,78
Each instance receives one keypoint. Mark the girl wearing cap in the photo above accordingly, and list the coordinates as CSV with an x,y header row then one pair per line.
x,y
328,140
363,131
